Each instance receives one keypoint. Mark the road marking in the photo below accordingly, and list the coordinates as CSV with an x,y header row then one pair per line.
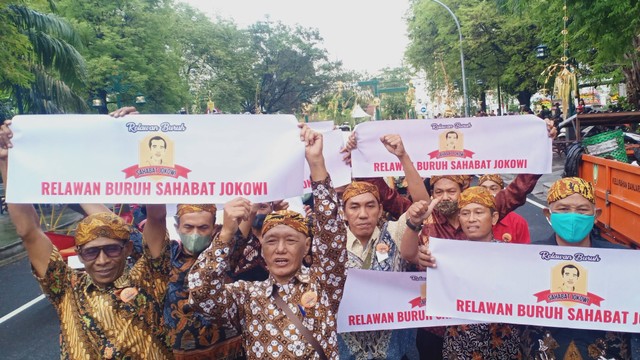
x,y
21,309
532,202
535,203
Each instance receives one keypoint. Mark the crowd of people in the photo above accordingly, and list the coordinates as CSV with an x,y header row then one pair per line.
x,y
268,282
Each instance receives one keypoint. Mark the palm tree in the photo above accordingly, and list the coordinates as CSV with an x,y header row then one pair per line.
x,y
56,67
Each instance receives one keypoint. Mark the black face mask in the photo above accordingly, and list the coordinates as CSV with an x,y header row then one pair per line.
x,y
258,221
447,207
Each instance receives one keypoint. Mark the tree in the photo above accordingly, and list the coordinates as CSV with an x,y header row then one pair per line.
x,y
40,64
603,38
217,60
130,40
338,98
498,46
291,68
394,105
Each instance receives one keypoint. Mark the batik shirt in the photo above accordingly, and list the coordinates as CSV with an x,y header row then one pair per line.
x,y
247,255
96,323
191,332
267,331
482,342
551,343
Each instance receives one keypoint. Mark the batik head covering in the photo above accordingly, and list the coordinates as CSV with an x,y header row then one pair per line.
x,y
462,180
565,187
193,208
477,195
289,218
104,224
358,188
492,177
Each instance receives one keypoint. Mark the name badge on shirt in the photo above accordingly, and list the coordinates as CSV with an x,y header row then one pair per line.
x,y
382,252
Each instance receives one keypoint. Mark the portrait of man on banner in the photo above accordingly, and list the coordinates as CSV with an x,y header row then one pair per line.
x,y
156,150
451,146
570,275
452,141
569,286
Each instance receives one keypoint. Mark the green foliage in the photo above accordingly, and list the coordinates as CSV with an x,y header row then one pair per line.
x,y
131,40
217,60
394,105
15,47
498,46
44,46
603,38
291,68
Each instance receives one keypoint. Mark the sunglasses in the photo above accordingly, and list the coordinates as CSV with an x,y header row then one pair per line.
x,y
92,253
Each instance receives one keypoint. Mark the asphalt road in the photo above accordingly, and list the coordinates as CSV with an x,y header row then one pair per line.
x,y
33,333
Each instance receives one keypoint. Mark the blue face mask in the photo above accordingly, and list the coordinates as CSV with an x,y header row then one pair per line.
x,y
195,243
572,227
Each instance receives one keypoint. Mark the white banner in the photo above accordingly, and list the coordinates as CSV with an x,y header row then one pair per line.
x,y
332,143
582,288
464,146
322,126
384,300
154,159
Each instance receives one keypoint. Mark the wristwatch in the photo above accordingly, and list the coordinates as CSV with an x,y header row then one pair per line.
x,y
416,228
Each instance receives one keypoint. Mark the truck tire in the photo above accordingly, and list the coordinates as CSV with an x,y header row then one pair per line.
x,y
573,159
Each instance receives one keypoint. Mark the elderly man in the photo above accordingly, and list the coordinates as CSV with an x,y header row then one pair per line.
x,y
572,213
477,215
96,307
512,227
292,314
373,244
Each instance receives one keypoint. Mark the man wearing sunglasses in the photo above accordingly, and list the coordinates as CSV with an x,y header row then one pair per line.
x,y
108,311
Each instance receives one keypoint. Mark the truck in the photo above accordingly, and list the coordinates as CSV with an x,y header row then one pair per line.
x,y
616,183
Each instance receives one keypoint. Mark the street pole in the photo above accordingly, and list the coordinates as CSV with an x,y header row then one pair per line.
x,y
464,77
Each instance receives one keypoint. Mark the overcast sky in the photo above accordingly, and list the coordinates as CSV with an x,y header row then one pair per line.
x,y
365,35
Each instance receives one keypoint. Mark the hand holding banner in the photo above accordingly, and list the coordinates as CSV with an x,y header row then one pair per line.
x,y
333,142
154,159
386,300
459,146
556,286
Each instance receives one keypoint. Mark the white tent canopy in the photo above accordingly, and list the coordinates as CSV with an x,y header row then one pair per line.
x,y
357,112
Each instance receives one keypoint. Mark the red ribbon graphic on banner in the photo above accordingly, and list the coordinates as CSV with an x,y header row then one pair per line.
x,y
550,297
174,172
451,153
418,302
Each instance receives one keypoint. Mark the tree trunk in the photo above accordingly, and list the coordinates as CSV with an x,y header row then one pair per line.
x,y
632,75
524,98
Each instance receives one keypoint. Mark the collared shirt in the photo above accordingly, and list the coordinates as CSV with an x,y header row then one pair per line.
x,y
395,228
191,334
188,331
512,228
97,323
267,331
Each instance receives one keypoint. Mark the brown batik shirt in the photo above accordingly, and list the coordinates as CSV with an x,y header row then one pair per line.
x,y
102,323
267,332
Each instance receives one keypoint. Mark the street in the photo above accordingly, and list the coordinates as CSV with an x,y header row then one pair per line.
x,y
33,332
